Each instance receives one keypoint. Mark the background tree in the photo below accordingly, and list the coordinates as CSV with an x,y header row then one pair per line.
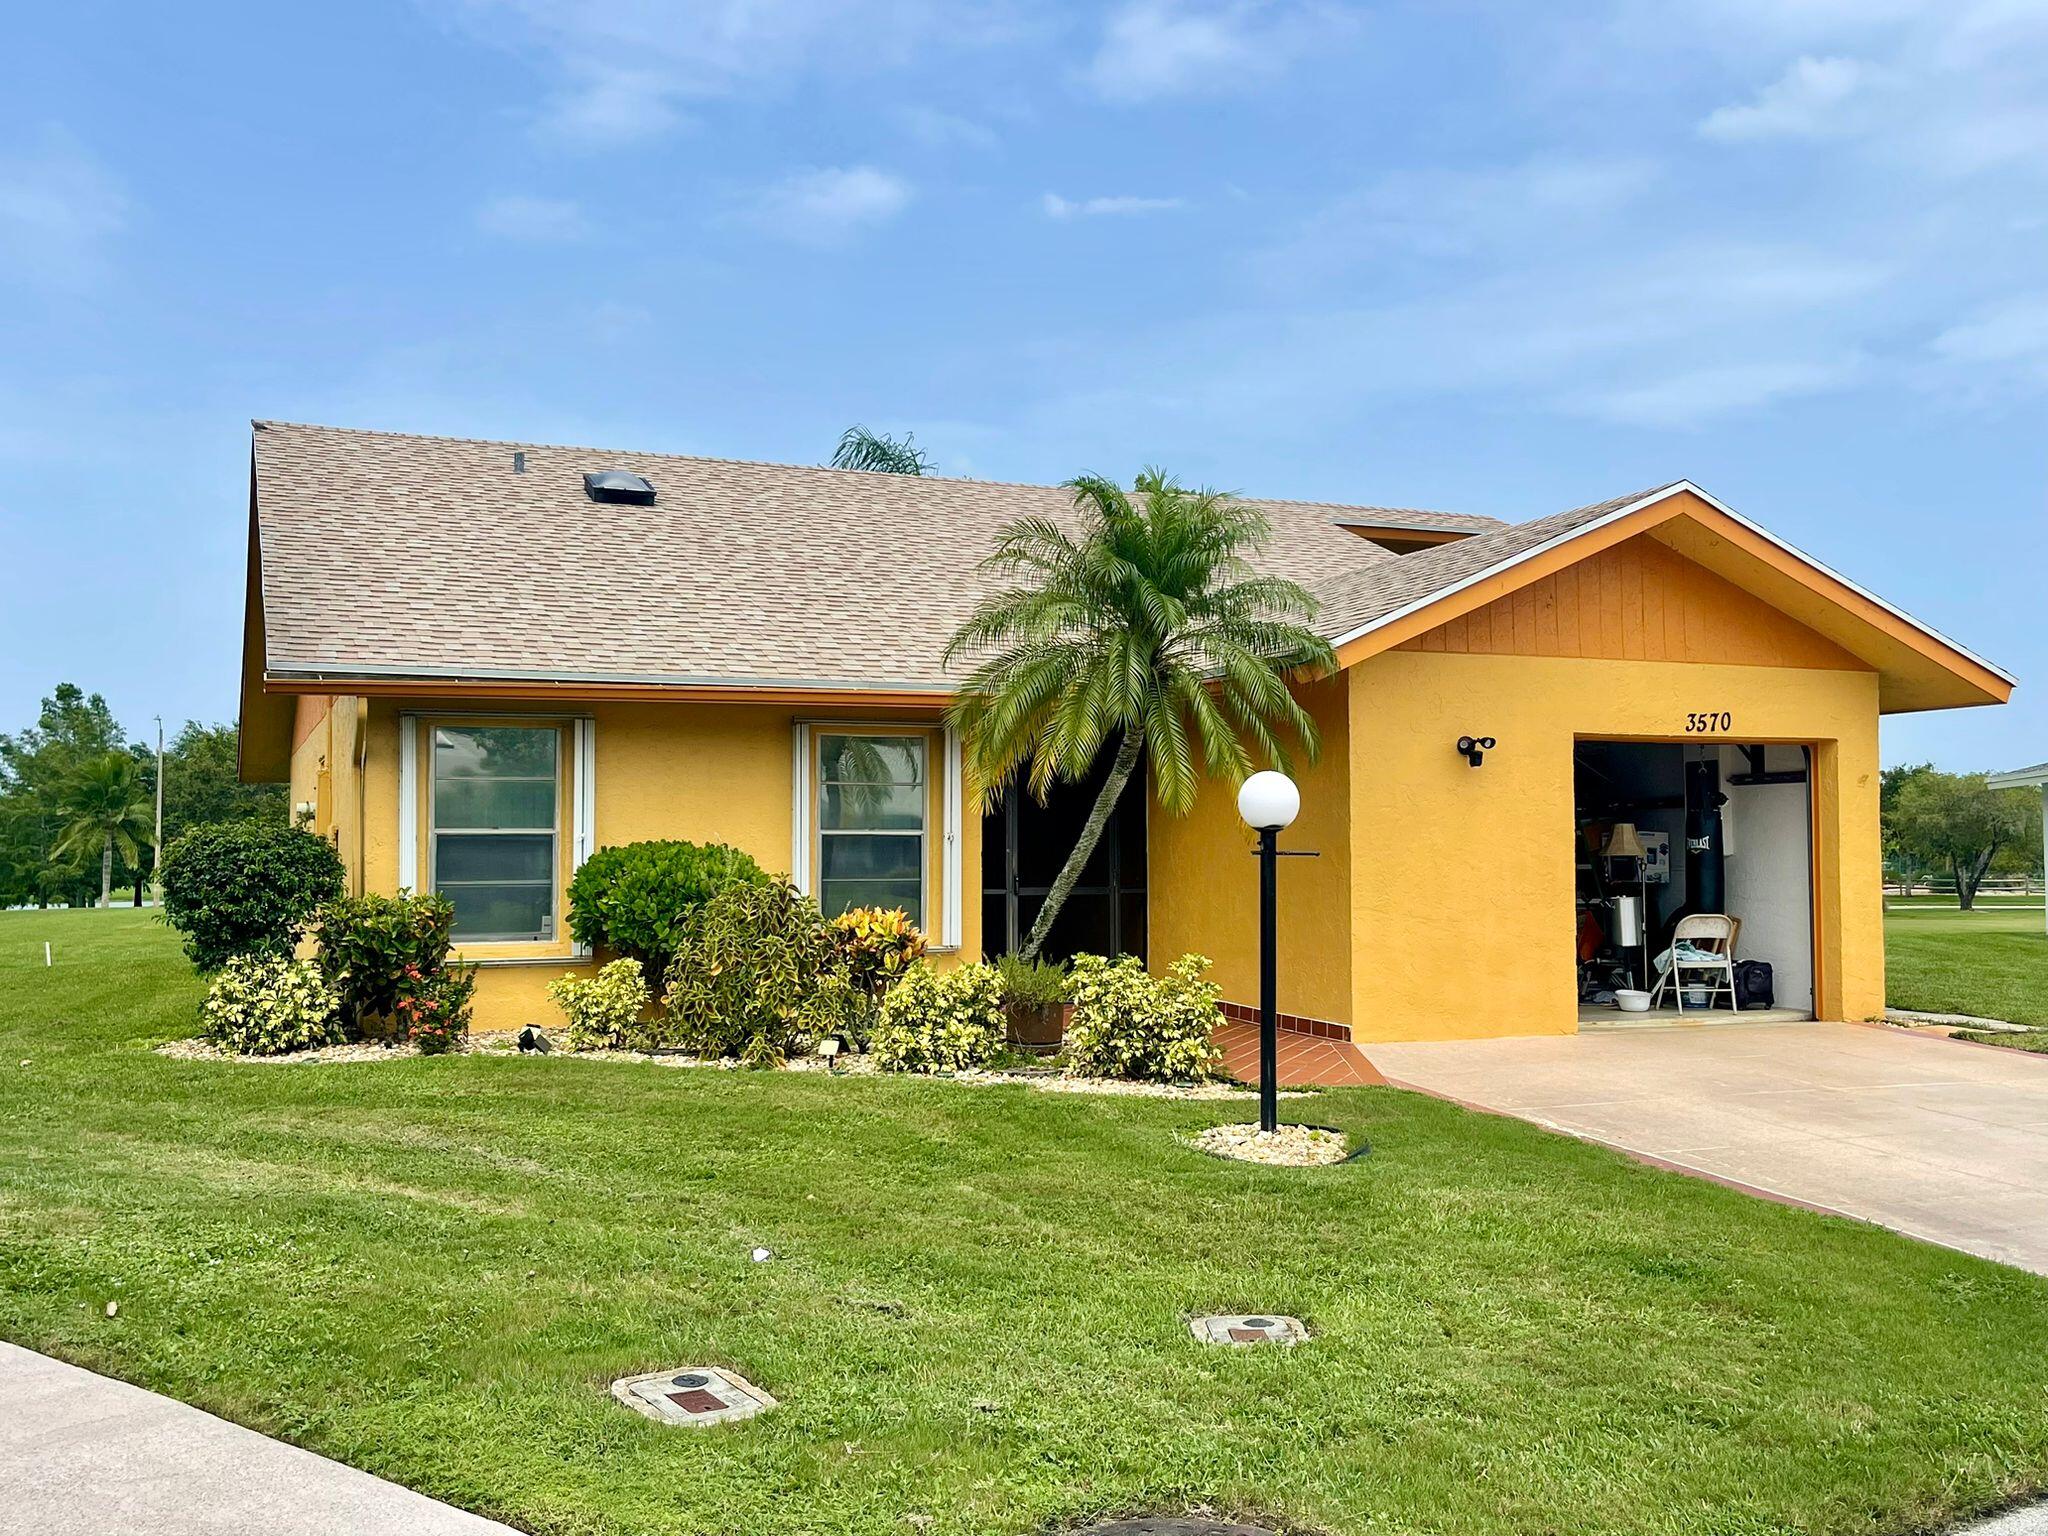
x,y
878,451
37,766
1954,821
1145,627
107,809
202,783
1899,864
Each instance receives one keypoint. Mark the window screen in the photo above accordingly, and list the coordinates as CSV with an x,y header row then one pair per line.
x,y
872,801
493,808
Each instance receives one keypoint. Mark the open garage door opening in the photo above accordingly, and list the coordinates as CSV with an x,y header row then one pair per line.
x,y
1698,855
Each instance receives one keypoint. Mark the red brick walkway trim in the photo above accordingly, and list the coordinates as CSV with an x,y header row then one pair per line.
x,y
1306,1061
1322,1029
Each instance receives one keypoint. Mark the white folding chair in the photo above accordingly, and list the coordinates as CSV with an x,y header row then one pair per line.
x,y
1713,933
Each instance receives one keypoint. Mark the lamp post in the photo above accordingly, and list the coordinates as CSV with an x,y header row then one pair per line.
x,y
1268,802
158,860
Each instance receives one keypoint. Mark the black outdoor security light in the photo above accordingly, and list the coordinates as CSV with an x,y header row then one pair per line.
x,y
1268,802
1475,748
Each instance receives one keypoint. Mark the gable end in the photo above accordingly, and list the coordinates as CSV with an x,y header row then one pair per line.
x,y
1638,601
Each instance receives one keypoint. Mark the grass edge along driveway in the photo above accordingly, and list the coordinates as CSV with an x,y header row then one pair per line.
x,y
430,1269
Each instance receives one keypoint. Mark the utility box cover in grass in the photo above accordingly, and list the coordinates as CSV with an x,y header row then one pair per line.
x,y
696,1395
1248,1328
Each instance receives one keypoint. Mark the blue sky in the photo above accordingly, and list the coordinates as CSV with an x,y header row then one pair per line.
x,y
1492,258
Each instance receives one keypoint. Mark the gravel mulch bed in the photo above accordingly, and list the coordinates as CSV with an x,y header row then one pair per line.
x,y
1291,1146
360,1050
505,1043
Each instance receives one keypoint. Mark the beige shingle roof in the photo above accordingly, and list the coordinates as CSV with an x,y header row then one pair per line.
x,y
385,554
1354,601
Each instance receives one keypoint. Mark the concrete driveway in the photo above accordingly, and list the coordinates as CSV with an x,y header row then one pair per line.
x,y
1935,1138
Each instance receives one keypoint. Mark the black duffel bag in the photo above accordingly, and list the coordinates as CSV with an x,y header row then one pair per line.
x,y
1753,984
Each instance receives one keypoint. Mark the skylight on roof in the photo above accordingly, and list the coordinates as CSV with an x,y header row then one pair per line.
x,y
618,485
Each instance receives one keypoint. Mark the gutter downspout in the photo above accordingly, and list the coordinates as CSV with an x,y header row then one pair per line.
x,y
362,756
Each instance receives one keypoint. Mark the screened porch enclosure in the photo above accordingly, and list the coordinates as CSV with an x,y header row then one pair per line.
x,y
1023,846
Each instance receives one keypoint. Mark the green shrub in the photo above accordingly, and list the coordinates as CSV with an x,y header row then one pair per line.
x,y
933,1022
843,1007
265,1005
746,980
604,1010
432,1010
246,888
634,899
369,944
1127,1023
877,946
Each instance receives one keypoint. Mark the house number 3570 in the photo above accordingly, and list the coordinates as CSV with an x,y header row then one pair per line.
x,y
1712,720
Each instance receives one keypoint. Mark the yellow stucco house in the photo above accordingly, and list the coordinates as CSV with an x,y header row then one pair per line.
x,y
476,662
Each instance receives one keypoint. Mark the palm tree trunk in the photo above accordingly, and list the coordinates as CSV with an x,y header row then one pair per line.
x,y
107,871
1120,771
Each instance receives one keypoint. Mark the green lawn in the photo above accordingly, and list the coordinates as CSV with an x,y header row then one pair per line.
x,y
432,1268
1992,963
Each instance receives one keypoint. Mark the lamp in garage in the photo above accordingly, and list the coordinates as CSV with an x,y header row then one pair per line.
x,y
1630,923
1268,802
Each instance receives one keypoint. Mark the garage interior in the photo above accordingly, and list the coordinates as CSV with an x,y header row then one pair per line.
x,y
1667,830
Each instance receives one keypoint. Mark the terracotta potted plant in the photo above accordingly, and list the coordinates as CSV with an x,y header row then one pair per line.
x,y
1035,1002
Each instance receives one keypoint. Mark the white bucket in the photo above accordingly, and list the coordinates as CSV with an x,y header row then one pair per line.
x,y
1631,1001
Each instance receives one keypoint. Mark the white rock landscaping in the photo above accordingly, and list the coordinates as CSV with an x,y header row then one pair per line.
x,y
1291,1146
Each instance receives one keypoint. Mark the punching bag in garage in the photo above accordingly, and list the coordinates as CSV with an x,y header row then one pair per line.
x,y
1705,872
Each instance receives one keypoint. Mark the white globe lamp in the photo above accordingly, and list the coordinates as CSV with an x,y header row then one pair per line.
x,y
1268,801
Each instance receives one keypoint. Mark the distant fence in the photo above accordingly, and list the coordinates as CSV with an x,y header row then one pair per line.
x,y
1943,885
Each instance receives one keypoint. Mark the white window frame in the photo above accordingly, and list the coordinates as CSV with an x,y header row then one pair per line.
x,y
804,856
580,745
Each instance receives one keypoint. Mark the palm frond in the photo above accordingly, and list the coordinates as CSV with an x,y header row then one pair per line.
x,y
1147,616
880,453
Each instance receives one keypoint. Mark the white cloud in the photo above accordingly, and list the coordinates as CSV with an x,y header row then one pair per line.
x,y
1673,330
1465,212
629,69
533,220
822,207
1689,397
1057,207
928,125
59,208
2009,336
600,105
1812,98
1948,88
1156,48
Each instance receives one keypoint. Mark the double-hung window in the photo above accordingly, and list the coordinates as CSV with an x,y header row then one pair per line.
x,y
872,801
494,810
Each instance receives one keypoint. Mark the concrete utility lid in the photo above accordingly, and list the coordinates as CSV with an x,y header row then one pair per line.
x,y
1249,1328
1173,1525
692,1394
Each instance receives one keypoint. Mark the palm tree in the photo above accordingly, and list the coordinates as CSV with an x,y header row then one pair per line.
x,y
1145,626
878,451
106,805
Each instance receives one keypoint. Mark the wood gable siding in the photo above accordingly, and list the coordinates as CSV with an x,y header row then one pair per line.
x,y
1639,601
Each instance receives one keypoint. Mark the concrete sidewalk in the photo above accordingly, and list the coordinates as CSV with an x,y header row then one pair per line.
x,y
2031,1521
84,1455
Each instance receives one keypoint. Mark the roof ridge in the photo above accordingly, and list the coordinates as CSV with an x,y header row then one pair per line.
x,y
264,423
